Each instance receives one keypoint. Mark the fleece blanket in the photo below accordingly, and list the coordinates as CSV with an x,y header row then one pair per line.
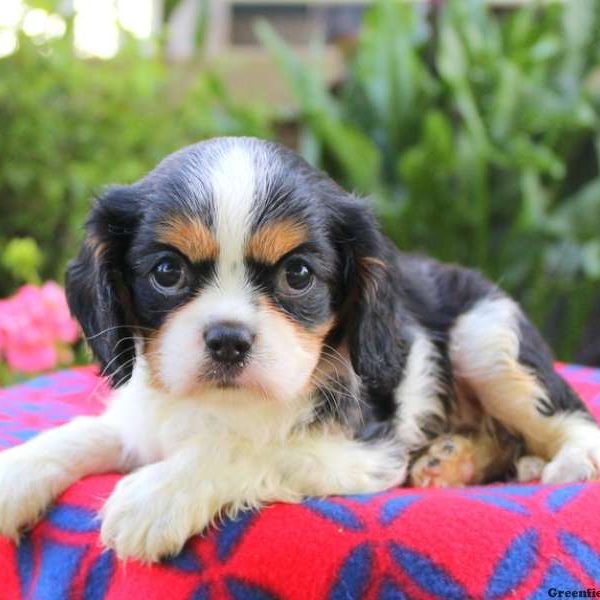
x,y
494,542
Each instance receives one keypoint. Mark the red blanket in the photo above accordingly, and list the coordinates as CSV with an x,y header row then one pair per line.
x,y
517,541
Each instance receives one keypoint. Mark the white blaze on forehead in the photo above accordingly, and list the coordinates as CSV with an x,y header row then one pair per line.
x,y
228,296
233,186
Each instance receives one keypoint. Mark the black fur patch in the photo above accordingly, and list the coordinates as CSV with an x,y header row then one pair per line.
x,y
96,283
535,354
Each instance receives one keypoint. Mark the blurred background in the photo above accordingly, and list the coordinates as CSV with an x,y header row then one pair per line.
x,y
473,125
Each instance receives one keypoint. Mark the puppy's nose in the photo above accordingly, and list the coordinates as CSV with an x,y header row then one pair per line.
x,y
228,342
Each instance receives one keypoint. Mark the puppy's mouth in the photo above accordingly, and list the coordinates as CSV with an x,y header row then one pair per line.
x,y
224,376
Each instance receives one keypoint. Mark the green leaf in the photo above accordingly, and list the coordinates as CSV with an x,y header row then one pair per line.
x,y
591,259
535,202
22,258
578,217
349,147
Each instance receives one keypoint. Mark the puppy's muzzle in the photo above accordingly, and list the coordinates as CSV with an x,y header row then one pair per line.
x,y
228,343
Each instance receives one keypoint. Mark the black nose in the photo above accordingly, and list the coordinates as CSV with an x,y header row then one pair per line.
x,y
228,342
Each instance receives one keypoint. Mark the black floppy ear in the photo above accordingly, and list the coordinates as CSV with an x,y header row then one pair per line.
x,y
376,322
95,285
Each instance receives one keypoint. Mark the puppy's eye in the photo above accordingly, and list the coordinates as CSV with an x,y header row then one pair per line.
x,y
295,277
168,276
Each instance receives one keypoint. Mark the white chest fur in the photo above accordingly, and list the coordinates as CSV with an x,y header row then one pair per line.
x,y
154,425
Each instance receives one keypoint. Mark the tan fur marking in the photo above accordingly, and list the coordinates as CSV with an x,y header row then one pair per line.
x,y
370,272
191,237
97,246
274,240
151,351
370,262
310,339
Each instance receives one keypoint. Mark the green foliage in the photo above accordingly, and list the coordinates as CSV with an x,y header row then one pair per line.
x,y
477,135
22,259
70,126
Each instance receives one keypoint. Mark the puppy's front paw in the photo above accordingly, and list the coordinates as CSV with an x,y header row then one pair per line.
x,y
151,515
27,486
574,462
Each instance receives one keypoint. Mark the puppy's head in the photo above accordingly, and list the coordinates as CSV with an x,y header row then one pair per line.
x,y
232,265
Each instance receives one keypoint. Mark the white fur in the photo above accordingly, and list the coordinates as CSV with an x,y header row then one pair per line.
x,y
417,396
203,457
578,455
229,297
283,362
280,364
181,350
485,340
33,474
225,457
234,189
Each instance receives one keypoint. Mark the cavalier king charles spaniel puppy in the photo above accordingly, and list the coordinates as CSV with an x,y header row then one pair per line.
x,y
266,342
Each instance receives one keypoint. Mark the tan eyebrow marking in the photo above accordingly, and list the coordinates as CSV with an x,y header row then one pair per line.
x,y
191,237
274,240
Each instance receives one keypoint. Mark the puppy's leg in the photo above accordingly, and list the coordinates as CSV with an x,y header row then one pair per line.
x,y
34,474
450,460
500,357
325,462
470,458
153,511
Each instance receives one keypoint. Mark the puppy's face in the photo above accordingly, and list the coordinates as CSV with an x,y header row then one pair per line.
x,y
228,264
233,287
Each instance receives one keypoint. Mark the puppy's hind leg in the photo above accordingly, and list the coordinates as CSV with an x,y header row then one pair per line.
x,y
501,358
33,474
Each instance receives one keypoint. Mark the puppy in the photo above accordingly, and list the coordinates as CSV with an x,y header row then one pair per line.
x,y
267,343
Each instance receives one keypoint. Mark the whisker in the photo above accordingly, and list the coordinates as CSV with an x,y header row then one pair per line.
x,y
334,389
91,337
116,357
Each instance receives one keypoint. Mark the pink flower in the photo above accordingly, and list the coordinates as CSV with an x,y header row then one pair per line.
x,y
63,326
31,359
33,324
3,310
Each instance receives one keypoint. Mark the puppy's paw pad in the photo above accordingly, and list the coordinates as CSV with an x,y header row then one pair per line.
x,y
573,463
530,468
449,461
